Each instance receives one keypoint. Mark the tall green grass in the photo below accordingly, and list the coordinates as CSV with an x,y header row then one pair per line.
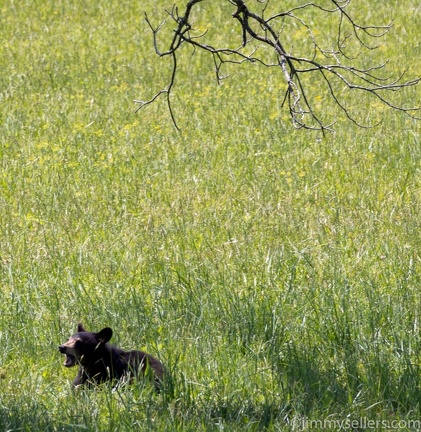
x,y
275,274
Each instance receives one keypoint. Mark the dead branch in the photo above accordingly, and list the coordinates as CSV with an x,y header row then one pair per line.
x,y
267,31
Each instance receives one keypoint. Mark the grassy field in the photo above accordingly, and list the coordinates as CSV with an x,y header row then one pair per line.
x,y
276,274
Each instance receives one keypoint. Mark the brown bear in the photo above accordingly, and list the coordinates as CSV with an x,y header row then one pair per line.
x,y
99,362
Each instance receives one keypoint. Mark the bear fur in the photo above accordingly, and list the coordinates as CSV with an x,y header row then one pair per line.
x,y
99,362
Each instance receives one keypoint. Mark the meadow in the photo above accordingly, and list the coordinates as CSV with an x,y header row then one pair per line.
x,y
274,271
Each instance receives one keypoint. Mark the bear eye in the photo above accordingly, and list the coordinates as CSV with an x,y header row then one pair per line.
x,y
76,342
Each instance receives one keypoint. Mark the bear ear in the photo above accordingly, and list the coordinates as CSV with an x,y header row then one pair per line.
x,y
105,334
80,328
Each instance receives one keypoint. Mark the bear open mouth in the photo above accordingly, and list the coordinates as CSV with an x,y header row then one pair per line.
x,y
70,360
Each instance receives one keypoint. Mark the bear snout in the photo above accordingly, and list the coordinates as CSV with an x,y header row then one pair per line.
x,y
62,349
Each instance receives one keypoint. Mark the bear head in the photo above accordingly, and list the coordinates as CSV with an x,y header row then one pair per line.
x,y
81,347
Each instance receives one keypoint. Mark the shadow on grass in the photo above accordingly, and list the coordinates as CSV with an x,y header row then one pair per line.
x,y
24,415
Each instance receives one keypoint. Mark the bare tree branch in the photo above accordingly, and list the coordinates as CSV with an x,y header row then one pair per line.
x,y
334,65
